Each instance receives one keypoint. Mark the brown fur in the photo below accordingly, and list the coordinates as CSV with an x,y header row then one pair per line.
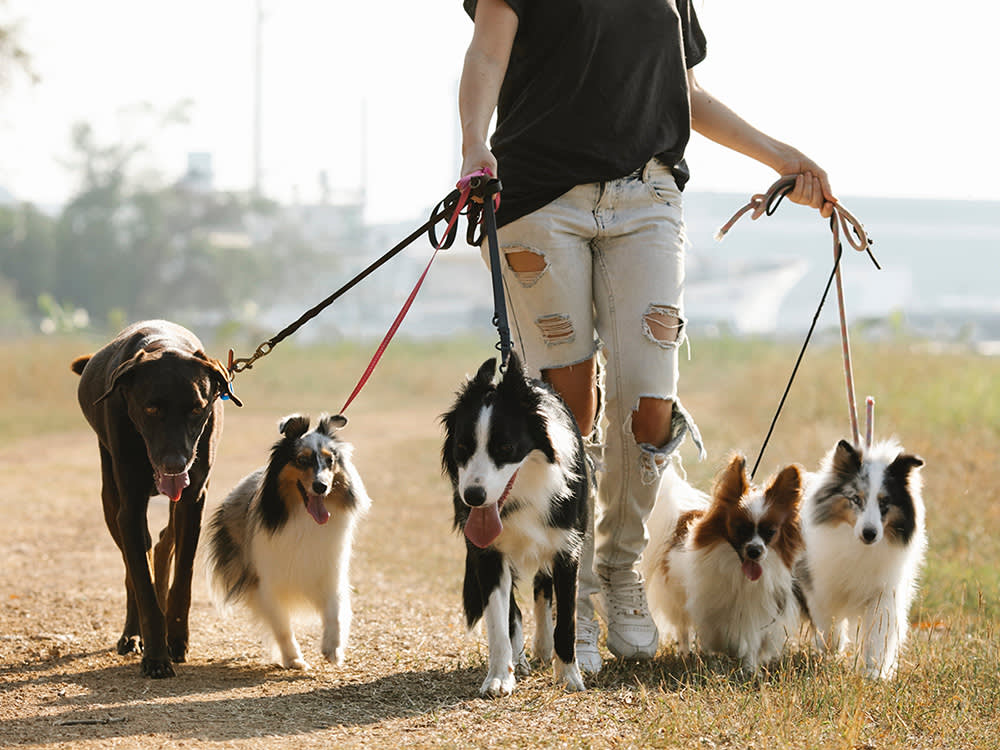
x,y
151,396
723,520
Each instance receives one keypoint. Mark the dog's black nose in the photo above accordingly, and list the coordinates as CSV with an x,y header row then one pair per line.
x,y
868,534
754,551
475,496
174,464
320,488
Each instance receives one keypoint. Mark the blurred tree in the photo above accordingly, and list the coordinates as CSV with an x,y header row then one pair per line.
x,y
14,58
132,244
27,250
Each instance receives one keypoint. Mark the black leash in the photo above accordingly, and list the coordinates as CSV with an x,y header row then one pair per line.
x,y
442,211
840,220
485,188
798,361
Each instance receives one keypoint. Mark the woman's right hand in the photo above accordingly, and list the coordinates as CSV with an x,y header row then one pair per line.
x,y
478,157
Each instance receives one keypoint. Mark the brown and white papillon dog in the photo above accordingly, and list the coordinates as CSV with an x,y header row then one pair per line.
x,y
720,567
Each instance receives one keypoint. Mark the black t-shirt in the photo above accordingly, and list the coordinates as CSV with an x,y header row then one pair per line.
x,y
593,90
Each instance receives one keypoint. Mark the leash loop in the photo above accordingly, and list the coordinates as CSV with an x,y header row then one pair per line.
x,y
843,222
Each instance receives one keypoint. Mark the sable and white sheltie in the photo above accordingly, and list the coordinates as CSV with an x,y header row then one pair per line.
x,y
515,459
281,541
863,523
720,568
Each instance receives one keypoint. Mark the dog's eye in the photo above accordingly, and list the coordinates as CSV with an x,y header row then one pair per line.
x,y
505,450
766,533
855,500
883,504
151,410
303,460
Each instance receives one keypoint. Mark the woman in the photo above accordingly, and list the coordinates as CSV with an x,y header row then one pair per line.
x,y
595,101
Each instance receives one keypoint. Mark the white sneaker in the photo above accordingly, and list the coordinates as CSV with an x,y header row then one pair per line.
x,y
632,633
588,656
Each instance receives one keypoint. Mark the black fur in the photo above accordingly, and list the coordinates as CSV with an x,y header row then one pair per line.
x,y
522,411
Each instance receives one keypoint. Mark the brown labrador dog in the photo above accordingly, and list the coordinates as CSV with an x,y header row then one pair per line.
x,y
152,397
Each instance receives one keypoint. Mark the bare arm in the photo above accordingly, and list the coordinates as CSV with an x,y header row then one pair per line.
x,y
482,75
718,123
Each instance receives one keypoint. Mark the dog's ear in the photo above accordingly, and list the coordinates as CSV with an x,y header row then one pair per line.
x,y
785,490
79,363
903,466
330,423
846,460
294,425
121,373
220,375
732,484
486,372
514,365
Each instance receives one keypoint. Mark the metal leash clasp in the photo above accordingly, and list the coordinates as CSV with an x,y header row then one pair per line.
x,y
246,363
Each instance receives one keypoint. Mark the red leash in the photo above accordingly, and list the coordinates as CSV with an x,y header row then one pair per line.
x,y
465,186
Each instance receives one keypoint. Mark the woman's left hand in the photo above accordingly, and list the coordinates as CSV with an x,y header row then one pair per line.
x,y
812,186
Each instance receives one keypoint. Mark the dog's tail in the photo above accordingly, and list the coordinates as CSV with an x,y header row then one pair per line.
x,y
79,363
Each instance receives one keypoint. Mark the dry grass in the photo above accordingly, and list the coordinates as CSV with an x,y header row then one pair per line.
x,y
412,672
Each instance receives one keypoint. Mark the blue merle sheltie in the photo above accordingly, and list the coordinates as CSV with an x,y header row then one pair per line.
x,y
281,541
863,524
515,459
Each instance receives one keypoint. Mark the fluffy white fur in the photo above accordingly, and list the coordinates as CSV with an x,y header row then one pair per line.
x,y
301,567
861,592
702,593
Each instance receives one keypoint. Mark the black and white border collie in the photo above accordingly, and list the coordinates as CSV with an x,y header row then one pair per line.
x,y
281,541
515,459
720,567
863,523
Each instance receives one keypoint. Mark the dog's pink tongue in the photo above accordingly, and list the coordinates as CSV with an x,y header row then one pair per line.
x,y
483,525
752,569
172,485
317,509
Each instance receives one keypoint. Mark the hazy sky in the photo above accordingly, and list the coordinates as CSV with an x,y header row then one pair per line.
x,y
893,97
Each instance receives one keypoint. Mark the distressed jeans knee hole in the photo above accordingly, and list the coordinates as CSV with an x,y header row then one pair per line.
x,y
527,265
663,325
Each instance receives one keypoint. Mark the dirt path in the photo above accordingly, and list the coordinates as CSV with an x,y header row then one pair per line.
x,y
63,605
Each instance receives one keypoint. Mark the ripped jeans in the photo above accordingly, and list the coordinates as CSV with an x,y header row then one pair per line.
x,y
612,278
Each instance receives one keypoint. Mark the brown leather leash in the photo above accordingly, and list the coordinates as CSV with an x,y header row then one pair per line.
x,y
841,221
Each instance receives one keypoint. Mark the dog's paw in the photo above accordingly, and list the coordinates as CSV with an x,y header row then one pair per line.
x,y
334,656
129,644
877,671
521,666
157,668
178,650
296,662
498,686
568,675
541,647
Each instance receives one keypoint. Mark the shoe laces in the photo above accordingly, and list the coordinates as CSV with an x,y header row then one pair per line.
x,y
629,599
587,631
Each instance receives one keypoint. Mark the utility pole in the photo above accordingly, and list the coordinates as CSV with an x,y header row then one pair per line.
x,y
257,96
